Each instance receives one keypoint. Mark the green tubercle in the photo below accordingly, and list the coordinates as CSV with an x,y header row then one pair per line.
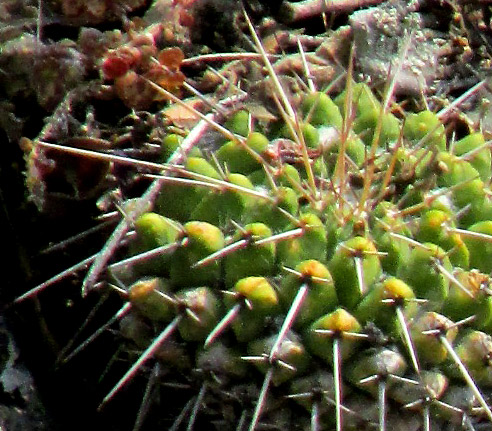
x,y
202,239
242,157
309,243
258,301
427,272
337,324
150,298
320,297
426,128
379,305
250,259
473,149
355,266
320,110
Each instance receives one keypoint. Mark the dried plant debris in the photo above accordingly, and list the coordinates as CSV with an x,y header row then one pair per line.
x,y
93,12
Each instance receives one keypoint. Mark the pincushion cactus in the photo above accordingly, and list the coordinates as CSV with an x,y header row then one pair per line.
x,y
333,259
299,290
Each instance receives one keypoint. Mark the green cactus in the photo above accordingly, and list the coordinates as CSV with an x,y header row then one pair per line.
x,y
321,277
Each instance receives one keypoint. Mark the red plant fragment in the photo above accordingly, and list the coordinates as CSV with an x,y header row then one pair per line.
x,y
120,61
171,57
168,75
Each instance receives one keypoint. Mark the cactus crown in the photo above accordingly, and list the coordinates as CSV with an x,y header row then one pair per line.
x,y
334,258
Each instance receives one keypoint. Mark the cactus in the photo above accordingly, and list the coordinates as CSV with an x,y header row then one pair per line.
x,y
304,278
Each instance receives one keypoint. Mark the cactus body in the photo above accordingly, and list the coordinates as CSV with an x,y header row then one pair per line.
x,y
318,276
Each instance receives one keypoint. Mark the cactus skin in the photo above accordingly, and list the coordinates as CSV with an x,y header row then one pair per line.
x,y
287,270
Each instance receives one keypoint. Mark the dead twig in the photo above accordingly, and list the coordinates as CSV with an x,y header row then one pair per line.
x,y
292,12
